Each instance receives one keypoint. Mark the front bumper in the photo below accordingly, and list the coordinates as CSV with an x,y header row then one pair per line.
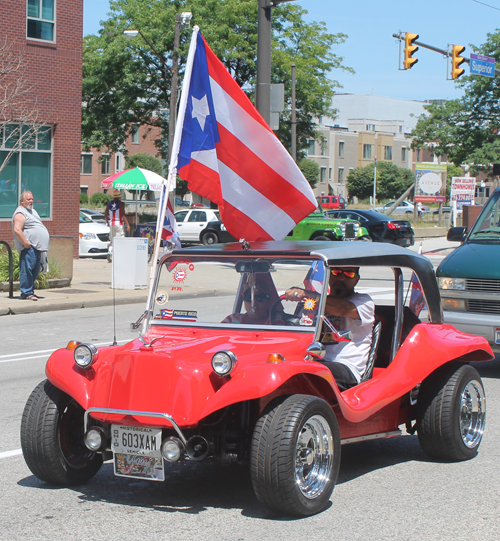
x,y
484,325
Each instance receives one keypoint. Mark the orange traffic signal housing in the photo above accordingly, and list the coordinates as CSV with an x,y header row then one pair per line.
x,y
410,49
456,60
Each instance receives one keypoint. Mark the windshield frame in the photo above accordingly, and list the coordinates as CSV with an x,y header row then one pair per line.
x,y
476,230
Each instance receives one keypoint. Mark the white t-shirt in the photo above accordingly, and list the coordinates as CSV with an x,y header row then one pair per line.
x,y
354,354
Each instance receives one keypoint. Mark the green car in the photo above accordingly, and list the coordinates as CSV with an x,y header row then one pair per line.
x,y
317,227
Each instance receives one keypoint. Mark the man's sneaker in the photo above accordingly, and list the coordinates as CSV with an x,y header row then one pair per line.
x,y
108,257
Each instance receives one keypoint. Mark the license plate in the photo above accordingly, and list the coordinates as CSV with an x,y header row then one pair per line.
x,y
136,440
139,466
497,335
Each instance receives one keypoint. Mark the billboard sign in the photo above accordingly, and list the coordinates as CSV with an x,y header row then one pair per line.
x,y
430,182
463,190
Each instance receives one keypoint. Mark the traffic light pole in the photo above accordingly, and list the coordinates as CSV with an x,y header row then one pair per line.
x,y
444,52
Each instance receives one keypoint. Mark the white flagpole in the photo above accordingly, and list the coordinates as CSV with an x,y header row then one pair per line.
x,y
174,157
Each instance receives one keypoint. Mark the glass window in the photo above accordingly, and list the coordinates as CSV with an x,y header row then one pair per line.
x,y
135,134
367,151
341,175
105,164
198,216
322,174
86,164
330,173
9,192
341,149
418,155
311,148
403,154
181,216
35,177
40,23
323,148
387,153
117,164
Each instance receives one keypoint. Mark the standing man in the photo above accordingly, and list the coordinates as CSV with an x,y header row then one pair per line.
x,y
116,219
31,238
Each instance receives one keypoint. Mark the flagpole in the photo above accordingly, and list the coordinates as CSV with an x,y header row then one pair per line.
x,y
172,167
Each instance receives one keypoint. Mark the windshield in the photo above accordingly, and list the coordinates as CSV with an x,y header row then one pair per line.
x,y
223,291
487,226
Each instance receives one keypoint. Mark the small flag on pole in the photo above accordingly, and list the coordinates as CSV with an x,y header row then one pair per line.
x,y
417,300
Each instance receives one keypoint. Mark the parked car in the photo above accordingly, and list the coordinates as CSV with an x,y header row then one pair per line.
x,y
332,202
190,222
216,232
95,216
94,238
469,277
181,203
317,226
381,228
197,386
405,207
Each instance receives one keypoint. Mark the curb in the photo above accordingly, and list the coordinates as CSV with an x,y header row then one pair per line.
x,y
54,283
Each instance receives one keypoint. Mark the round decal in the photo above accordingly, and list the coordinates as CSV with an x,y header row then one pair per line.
x,y
179,275
161,297
430,183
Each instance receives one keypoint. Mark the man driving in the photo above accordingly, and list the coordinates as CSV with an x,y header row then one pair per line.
x,y
347,311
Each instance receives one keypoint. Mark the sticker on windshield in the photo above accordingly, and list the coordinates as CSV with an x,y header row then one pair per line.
x,y
179,315
310,304
306,320
161,297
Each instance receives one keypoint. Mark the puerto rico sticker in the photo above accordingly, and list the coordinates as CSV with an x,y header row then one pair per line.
x,y
309,304
179,315
306,320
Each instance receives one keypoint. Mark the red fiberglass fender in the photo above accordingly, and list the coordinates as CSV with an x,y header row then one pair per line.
x,y
427,347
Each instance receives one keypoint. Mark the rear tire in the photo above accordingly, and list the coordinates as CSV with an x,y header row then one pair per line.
x,y
295,456
52,438
210,238
322,237
451,413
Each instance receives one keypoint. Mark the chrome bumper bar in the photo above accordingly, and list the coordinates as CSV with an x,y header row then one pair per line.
x,y
134,413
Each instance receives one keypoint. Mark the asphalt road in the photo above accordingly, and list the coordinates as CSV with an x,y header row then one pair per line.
x,y
387,489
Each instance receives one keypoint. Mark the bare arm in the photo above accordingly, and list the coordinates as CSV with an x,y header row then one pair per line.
x,y
335,306
124,217
19,221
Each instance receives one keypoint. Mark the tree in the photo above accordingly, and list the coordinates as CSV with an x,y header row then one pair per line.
x,y
310,170
144,161
392,181
19,115
466,130
125,82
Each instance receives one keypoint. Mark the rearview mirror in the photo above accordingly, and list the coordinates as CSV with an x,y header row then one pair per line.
x,y
253,266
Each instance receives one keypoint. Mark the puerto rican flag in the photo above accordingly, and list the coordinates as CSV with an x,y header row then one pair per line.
x,y
315,277
169,232
417,300
229,155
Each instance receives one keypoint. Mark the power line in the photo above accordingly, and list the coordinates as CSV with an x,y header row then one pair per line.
x,y
487,5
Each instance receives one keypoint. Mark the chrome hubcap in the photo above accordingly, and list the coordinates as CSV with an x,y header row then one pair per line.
x,y
314,456
472,414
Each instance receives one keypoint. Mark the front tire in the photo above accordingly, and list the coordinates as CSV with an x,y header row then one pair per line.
x,y
210,238
451,413
52,438
295,456
322,237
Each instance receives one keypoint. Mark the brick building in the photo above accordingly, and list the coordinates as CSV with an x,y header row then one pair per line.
x,y
48,35
97,165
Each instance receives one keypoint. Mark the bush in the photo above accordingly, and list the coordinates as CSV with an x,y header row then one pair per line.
x,y
40,283
84,199
100,199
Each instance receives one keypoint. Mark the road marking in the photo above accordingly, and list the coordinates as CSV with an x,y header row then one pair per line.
x,y
43,353
7,454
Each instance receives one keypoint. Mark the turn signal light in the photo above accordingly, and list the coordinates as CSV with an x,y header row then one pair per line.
x,y
275,358
73,344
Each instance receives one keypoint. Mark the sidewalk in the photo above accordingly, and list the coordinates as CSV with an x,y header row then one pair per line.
x,y
91,284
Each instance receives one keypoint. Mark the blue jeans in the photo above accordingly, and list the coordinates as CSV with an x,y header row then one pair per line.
x,y
29,267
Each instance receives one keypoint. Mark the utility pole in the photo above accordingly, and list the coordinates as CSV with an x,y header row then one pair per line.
x,y
263,90
374,182
174,85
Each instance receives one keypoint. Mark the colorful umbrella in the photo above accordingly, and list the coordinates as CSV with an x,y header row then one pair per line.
x,y
134,179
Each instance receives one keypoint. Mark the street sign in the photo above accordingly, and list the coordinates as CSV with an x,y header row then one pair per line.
x,y
482,65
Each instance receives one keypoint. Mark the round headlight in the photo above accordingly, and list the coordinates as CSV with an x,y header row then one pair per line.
x,y
85,355
224,362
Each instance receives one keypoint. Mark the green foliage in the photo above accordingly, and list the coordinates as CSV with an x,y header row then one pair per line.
x,y
125,82
100,199
84,199
392,181
42,282
466,130
144,161
310,170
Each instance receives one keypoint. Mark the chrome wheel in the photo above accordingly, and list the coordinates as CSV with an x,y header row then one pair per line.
x,y
472,413
314,456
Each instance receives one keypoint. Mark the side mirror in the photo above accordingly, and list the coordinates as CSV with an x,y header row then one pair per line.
x,y
456,234
316,351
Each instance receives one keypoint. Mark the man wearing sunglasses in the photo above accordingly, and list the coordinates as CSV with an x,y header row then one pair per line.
x,y
347,311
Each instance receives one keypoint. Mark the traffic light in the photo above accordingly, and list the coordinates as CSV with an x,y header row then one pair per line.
x,y
410,49
456,60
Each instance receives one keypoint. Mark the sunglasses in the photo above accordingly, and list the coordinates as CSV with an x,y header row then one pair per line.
x,y
347,274
259,297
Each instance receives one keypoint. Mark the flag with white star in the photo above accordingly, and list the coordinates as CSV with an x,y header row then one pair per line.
x,y
229,155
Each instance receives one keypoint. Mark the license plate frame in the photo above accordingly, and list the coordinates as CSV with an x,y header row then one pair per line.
x,y
136,440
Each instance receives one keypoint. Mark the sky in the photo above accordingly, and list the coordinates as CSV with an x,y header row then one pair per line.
x,y
370,48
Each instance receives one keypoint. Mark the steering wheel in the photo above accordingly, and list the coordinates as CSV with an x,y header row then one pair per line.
x,y
291,320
